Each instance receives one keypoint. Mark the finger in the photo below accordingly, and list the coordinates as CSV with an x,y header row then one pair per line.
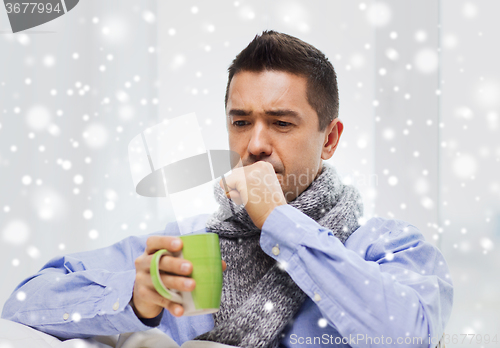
x,y
231,192
228,182
175,265
224,265
237,185
224,183
171,281
155,243
153,297
235,197
175,309
142,262
178,282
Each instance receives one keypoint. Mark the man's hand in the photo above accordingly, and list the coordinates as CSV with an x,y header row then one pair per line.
x,y
147,303
258,188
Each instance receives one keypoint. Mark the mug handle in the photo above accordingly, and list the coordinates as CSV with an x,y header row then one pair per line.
x,y
169,294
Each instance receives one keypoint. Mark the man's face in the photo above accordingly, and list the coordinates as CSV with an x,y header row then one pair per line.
x,y
269,119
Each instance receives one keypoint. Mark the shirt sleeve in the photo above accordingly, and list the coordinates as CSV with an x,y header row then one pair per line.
x,y
83,294
152,322
386,280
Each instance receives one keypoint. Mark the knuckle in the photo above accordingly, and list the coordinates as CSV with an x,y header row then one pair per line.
x,y
167,281
142,292
263,164
165,263
164,302
138,261
171,264
140,277
179,282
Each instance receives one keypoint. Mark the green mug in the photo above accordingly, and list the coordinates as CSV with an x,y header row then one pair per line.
x,y
203,251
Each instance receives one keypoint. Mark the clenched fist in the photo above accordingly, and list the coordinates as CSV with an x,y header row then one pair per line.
x,y
257,187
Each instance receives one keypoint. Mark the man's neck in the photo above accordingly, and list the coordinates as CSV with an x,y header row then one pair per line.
x,y
319,171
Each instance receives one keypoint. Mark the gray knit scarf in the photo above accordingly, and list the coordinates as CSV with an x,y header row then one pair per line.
x,y
258,297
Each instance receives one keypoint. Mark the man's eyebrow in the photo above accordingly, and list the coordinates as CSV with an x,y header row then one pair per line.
x,y
238,112
282,112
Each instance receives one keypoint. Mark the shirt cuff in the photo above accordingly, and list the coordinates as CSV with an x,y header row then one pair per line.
x,y
152,322
116,304
284,230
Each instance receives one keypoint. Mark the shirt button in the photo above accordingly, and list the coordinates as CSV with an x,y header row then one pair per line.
x,y
116,305
66,316
317,298
276,250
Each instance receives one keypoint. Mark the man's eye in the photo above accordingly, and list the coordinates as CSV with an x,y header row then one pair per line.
x,y
283,124
239,123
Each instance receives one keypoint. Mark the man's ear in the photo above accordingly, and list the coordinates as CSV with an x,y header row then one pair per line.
x,y
331,138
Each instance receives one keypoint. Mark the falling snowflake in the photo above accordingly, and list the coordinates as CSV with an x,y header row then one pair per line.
x,y
268,306
426,61
76,317
379,14
21,296
38,117
93,234
87,214
16,232
95,135
33,252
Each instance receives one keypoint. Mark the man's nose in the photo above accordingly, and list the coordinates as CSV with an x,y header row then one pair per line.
x,y
260,142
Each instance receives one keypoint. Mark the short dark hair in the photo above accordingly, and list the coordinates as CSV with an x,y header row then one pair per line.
x,y
281,52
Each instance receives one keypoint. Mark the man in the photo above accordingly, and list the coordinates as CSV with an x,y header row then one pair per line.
x,y
300,268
